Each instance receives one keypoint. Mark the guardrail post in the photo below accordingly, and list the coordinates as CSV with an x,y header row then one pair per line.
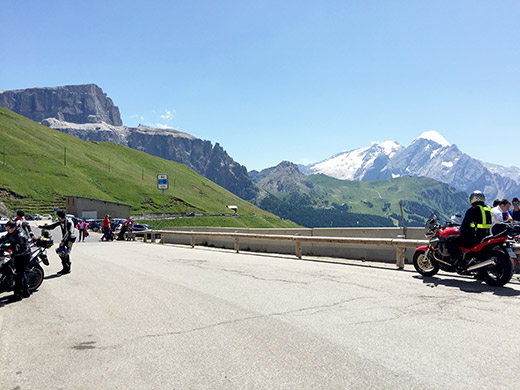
x,y
298,245
400,255
192,241
237,244
161,237
144,237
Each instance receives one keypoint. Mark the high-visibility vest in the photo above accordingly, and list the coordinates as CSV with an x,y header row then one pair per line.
x,y
486,218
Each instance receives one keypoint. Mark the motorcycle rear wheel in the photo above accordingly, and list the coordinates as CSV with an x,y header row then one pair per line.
x,y
426,266
34,278
499,274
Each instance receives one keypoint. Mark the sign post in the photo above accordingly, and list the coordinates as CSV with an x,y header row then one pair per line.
x,y
162,184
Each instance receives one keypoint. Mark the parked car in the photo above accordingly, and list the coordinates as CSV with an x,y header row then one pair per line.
x,y
138,227
94,224
115,222
3,231
34,217
47,216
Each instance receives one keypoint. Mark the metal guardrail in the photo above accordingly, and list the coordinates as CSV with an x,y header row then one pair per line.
x,y
399,243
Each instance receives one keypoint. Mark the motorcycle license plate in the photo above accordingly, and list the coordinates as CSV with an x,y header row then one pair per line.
x,y
511,253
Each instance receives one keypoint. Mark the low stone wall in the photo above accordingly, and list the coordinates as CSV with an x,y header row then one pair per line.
x,y
308,249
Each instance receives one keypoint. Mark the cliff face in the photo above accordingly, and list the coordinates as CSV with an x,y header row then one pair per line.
x,y
72,103
87,113
212,162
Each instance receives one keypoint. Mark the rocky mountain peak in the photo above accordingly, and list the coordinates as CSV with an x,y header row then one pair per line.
x,y
86,103
430,155
285,177
370,161
432,135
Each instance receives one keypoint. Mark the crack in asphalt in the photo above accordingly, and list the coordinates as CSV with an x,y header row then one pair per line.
x,y
200,265
313,309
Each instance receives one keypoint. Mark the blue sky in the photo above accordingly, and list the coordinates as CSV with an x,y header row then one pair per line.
x,y
284,80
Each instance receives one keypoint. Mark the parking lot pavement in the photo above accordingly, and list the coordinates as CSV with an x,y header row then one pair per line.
x,y
146,316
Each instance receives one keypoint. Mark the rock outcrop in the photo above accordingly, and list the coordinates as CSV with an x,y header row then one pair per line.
x,y
72,103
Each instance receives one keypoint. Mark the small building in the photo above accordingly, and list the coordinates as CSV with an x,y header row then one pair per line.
x,y
95,208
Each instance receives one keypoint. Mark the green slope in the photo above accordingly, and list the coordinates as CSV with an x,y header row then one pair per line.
x,y
325,201
419,196
42,165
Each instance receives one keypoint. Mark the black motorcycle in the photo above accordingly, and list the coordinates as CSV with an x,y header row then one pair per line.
x,y
34,272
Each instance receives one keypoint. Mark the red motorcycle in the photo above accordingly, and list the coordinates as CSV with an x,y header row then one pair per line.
x,y
491,260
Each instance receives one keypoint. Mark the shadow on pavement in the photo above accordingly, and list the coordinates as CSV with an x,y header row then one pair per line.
x,y
53,276
469,285
5,301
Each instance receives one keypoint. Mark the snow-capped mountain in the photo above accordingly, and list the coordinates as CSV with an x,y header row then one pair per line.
x,y
369,163
430,155
511,172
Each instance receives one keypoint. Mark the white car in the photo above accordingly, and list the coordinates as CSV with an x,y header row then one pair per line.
x,y
3,232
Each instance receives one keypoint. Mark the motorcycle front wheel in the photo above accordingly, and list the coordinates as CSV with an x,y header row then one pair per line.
x,y
426,266
34,277
500,273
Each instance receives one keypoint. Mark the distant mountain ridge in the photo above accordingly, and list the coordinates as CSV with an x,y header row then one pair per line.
x,y
86,112
319,200
430,155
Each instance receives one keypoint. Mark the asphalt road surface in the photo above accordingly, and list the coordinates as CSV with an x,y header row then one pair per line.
x,y
144,316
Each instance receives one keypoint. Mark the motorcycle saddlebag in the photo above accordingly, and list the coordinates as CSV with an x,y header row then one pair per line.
x,y
44,242
500,229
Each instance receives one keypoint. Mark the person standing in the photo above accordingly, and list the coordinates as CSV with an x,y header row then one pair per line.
x,y
516,210
21,254
129,229
106,228
67,239
82,229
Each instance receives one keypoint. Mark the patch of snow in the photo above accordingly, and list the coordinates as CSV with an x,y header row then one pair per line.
x,y
390,148
447,164
435,137
434,153
342,166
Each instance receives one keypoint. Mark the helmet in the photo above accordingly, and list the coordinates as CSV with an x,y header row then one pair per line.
x,y
476,197
10,224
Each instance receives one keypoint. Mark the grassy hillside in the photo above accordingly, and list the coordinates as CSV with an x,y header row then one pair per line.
x,y
419,196
324,201
42,165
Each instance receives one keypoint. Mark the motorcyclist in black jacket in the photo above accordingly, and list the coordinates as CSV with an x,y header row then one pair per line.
x,y
23,224
21,255
67,239
477,221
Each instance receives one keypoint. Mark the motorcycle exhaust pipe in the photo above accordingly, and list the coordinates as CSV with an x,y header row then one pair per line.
x,y
482,265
